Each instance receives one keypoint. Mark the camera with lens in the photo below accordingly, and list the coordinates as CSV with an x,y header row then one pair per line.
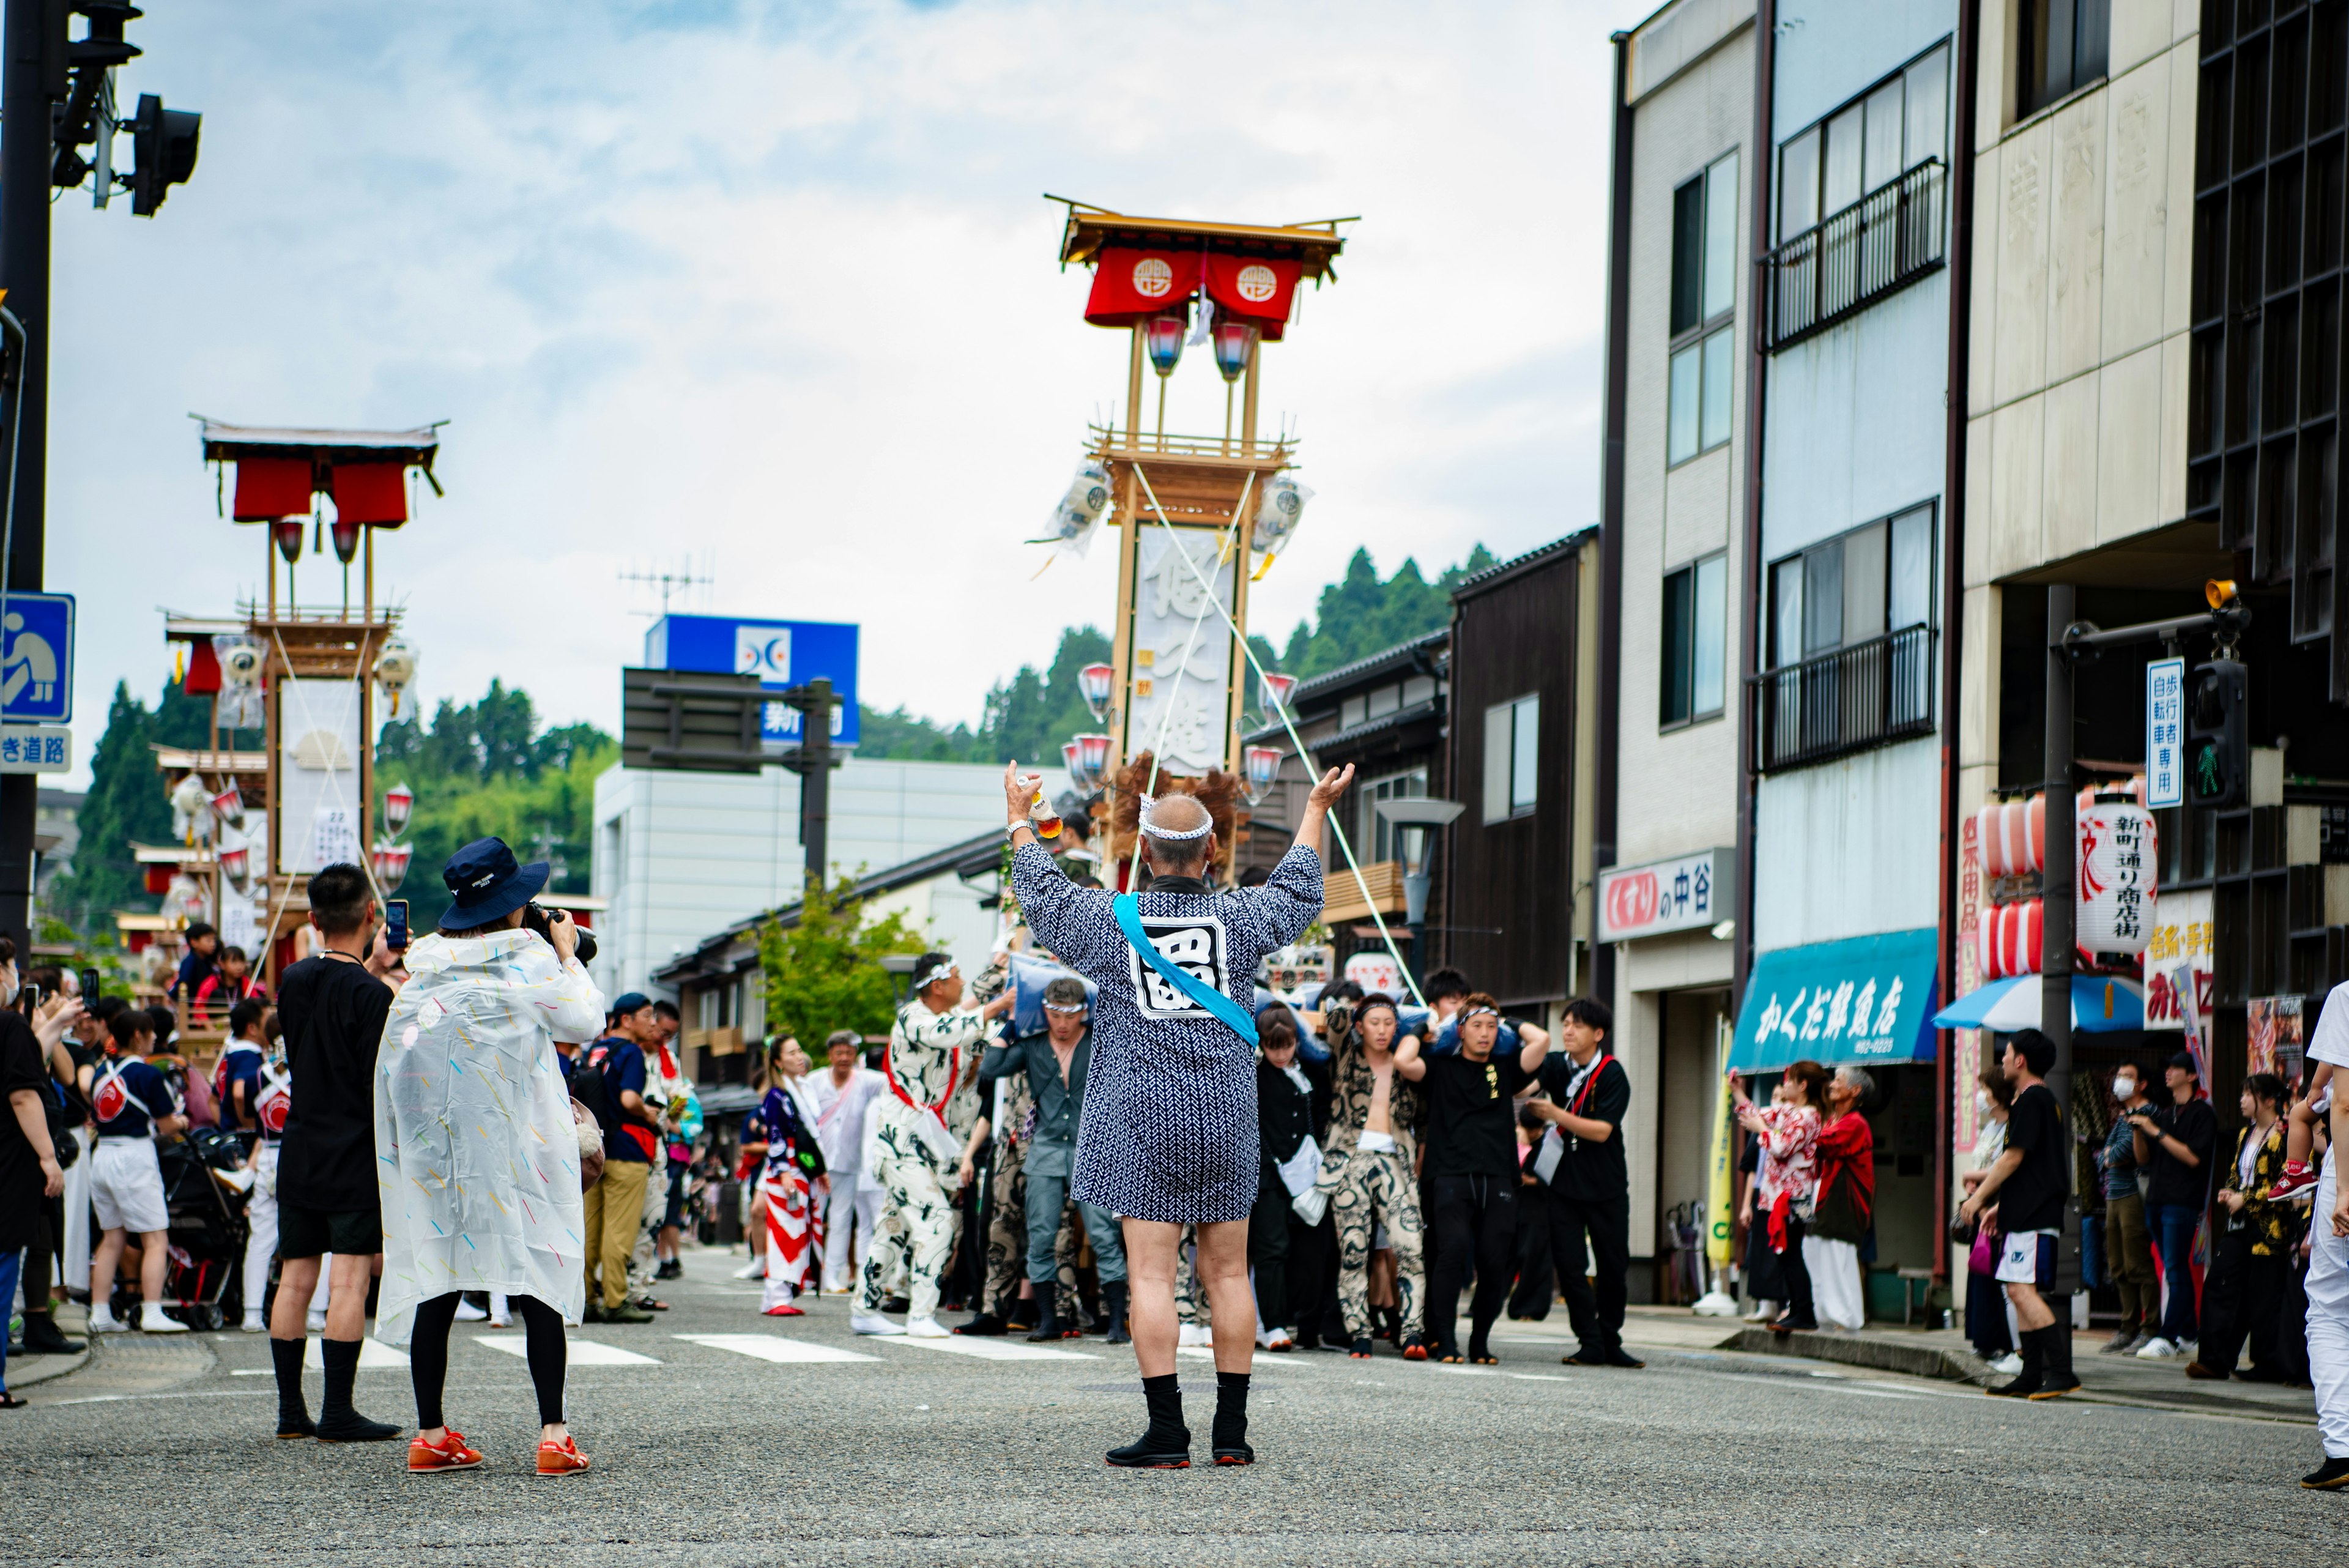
x,y
535,918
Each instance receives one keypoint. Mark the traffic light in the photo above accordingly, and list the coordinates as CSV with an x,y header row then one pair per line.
x,y
164,149
2218,735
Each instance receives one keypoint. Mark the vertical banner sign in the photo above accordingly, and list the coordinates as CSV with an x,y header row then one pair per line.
x,y
1720,1179
2165,730
1183,656
1965,1053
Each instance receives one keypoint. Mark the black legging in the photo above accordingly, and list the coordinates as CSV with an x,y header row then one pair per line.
x,y
428,1355
1475,1219
1800,1312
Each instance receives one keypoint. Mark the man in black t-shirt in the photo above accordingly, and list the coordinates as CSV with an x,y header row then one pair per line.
x,y
29,1172
2032,1182
1472,1167
1581,1158
331,1007
2174,1144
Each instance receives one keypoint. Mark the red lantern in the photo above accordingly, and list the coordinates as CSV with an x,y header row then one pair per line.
x,y
391,866
288,532
1072,756
1277,688
398,804
1234,341
1095,682
1162,337
347,540
236,864
1263,763
2014,837
1095,751
2008,940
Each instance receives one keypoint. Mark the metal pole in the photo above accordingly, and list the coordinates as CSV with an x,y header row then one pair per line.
x,y
25,274
815,780
2056,910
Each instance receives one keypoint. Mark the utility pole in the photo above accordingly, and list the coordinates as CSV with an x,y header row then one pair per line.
x,y
30,81
2056,912
813,762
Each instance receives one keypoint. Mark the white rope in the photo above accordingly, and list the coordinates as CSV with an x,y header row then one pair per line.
x,y
1295,739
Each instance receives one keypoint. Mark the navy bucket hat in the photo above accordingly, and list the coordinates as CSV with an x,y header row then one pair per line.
x,y
488,884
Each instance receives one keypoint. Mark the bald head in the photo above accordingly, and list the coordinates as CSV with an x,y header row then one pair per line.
x,y
1179,833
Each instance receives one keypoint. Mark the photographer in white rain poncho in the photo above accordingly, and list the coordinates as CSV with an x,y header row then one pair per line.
x,y
476,1155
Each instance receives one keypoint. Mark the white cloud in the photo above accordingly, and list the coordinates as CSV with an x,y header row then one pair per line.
x,y
774,287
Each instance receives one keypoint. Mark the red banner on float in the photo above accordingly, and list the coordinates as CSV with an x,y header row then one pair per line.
x,y
268,488
1256,289
1129,285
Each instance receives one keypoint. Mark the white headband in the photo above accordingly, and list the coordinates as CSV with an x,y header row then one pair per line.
x,y
1057,1007
933,974
1149,803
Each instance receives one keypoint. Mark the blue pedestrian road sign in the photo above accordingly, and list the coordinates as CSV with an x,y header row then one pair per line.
x,y
36,642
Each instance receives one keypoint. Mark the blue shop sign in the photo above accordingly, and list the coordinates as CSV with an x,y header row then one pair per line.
x,y
781,653
1858,1002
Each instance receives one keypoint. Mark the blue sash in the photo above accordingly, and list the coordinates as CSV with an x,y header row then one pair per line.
x,y
1129,920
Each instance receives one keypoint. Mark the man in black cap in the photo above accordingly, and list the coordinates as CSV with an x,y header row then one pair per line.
x,y
2173,1148
331,1007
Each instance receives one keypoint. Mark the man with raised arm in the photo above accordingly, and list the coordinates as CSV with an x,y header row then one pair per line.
x,y
1169,1138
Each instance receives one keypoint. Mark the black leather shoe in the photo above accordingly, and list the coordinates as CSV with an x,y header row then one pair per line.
x,y
42,1337
1618,1357
2023,1388
1583,1357
1150,1452
1235,1454
352,1428
2330,1476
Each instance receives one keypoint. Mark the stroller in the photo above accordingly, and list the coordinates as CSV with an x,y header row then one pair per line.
x,y
202,1282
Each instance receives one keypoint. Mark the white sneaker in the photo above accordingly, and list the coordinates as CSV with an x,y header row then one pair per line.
x,y
315,1323
2157,1349
927,1328
1193,1336
255,1323
103,1321
2007,1366
152,1320
756,1269
468,1313
872,1323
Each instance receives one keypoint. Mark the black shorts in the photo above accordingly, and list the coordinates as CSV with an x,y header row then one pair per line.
x,y
675,1213
307,1232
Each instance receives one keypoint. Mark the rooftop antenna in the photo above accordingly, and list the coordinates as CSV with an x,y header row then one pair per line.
x,y
670,582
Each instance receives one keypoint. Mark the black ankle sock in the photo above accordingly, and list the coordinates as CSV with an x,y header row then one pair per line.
x,y
1231,1408
292,1410
1164,1397
342,1359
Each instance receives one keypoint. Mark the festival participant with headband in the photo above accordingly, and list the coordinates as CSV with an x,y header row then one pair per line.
x,y
919,1140
1369,1170
842,1095
793,1164
1169,1138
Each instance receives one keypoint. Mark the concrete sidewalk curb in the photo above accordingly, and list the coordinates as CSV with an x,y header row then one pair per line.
x,y
1881,1353
24,1371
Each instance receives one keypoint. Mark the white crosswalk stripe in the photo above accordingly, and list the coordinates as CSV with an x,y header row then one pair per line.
x,y
991,1349
374,1356
583,1351
774,1347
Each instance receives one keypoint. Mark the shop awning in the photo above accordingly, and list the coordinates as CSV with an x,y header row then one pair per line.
x,y
1858,1002
2099,1004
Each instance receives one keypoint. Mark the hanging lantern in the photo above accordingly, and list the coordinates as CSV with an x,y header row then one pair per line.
x,y
229,806
191,807
398,805
2008,940
1095,751
1263,765
390,861
395,667
2014,837
288,532
1162,337
1072,756
1095,682
346,541
1234,339
236,865
2114,875
1274,694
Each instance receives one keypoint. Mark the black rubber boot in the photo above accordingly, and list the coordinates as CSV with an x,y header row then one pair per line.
x,y
1113,1308
2330,1476
1166,1446
1048,1316
2034,1375
292,1410
986,1324
2055,1342
338,1421
1229,1434
42,1336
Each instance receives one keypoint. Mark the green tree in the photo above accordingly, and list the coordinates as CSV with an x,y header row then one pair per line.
x,y
1359,615
824,972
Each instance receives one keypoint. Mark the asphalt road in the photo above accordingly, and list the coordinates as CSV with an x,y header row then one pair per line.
x,y
895,1452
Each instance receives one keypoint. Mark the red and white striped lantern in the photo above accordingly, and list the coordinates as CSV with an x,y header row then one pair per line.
x,y
2008,940
2014,837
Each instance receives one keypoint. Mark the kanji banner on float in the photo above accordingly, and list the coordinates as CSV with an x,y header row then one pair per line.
x,y
1129,285
1255,289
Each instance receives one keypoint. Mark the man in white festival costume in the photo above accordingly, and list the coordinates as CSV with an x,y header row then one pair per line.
x,y
1169,1134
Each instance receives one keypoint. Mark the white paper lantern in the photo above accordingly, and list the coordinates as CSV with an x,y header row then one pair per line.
x,y
1078,516
2114,877
1279,510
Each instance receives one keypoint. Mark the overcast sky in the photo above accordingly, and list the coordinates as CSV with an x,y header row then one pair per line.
x,y
773,287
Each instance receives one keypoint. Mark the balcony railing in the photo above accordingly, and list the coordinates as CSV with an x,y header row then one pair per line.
x,y
1886,240
1858,696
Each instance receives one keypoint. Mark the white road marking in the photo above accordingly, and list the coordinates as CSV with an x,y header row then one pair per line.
x,y
773,1347
374,1356
989,1349
583,1351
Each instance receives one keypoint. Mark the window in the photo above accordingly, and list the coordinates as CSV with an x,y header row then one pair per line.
x,y
1704,295
1695,641
1378,835
1853,588
1895,125
1512,758
2063,46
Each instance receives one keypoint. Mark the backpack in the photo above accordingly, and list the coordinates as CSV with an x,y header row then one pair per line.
x,y
587,1088
54,1106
